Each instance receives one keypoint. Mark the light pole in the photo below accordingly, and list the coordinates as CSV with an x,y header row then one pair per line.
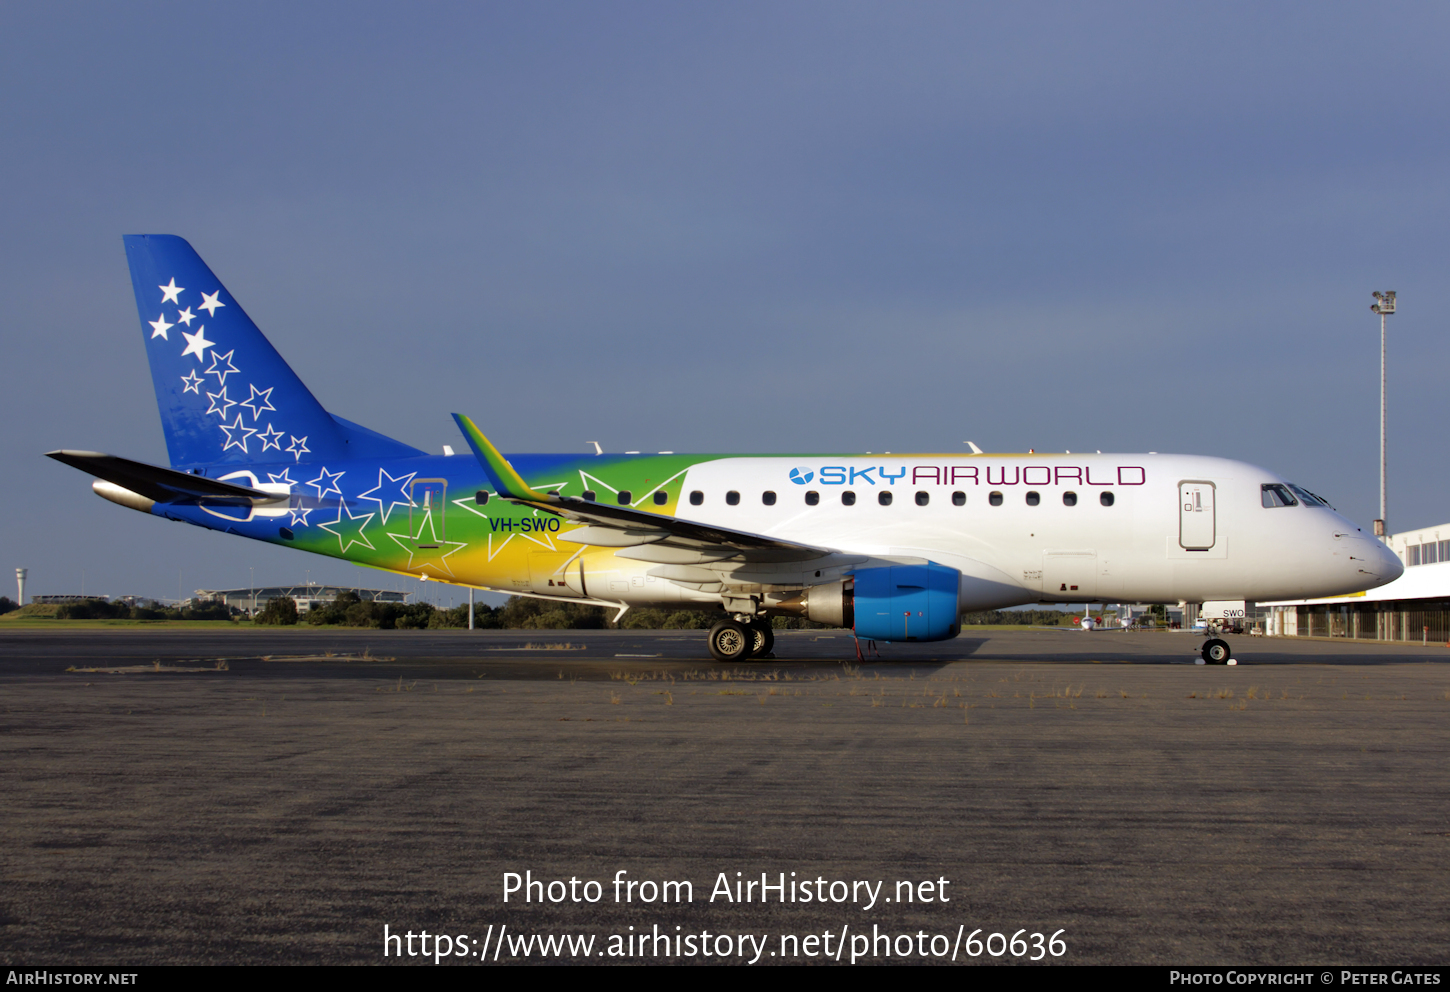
x,y
1384,305
252,570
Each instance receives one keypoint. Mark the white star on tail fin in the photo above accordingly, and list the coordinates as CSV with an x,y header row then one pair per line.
x,y
210,303
326,482
170,292
298,447
222,373
271,439
192,383
197,344
186,316
239,438
159,327
259,401
220,404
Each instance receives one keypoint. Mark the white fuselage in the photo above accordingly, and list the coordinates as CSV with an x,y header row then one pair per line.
x,y
1170,528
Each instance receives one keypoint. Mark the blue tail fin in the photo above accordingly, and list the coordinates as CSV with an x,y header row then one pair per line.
x,y
226,396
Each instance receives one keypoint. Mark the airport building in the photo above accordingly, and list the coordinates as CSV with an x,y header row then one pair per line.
x,y
306,596
1414,607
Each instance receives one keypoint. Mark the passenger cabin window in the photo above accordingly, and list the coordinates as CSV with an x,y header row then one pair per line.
x,y
848,498
923,498
959,499
590,495
812,498
1105,498
481,498
1275,495
1069,499
661,497
768,498
884,498
696,498
995,499
732,498
1033,498
625,497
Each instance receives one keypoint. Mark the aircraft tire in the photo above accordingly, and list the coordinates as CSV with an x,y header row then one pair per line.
x,y
1216,652
730,641
764,639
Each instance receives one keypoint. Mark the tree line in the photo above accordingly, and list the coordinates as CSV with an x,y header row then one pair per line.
x,y
519,613
99,609
522,613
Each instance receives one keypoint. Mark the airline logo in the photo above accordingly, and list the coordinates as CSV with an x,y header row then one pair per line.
x,y
991,475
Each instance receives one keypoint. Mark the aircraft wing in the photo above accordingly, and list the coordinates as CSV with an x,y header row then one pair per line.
x,y
161,485
613,526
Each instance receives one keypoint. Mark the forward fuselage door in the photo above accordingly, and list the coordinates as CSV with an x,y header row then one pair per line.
x,y
1197,526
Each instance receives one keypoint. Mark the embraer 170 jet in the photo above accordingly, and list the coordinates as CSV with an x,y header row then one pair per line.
x,y
894,547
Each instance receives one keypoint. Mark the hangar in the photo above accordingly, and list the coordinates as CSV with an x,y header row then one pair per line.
x,y
306,596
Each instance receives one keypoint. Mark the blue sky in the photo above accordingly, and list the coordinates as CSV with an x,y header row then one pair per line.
x,y
762,227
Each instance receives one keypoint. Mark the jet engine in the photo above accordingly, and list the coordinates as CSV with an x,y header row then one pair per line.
x,y
920,602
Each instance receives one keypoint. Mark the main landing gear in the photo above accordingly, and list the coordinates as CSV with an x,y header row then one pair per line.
x,y
738,640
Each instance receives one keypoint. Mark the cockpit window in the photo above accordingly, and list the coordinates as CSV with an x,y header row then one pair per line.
x,y
1309,498
1277,495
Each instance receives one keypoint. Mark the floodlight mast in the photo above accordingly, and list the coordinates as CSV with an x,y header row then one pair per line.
x,y
1384,305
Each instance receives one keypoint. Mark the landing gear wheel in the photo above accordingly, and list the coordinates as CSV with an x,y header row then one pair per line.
x,y
731,641
1216,652
764,638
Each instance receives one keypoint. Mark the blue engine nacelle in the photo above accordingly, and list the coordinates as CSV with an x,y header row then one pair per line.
x,y
908,602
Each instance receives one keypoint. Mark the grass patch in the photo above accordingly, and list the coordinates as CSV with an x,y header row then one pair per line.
x,y
44,622
219,666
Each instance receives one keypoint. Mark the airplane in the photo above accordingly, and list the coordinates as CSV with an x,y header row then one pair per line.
x,y
892,547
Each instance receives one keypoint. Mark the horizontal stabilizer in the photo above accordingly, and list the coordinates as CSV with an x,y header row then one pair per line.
x,y
162,485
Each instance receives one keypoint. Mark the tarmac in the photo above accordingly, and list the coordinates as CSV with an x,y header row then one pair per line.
x,y
282,796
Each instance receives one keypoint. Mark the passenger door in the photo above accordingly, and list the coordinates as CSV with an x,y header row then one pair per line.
x,y
426,516
1197,526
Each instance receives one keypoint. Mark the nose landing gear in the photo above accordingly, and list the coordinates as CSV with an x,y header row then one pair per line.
x,y
1216,652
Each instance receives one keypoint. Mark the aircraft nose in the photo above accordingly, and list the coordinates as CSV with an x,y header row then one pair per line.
x,y
1389,565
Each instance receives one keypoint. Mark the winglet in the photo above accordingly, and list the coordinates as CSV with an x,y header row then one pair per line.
x,y
510,484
